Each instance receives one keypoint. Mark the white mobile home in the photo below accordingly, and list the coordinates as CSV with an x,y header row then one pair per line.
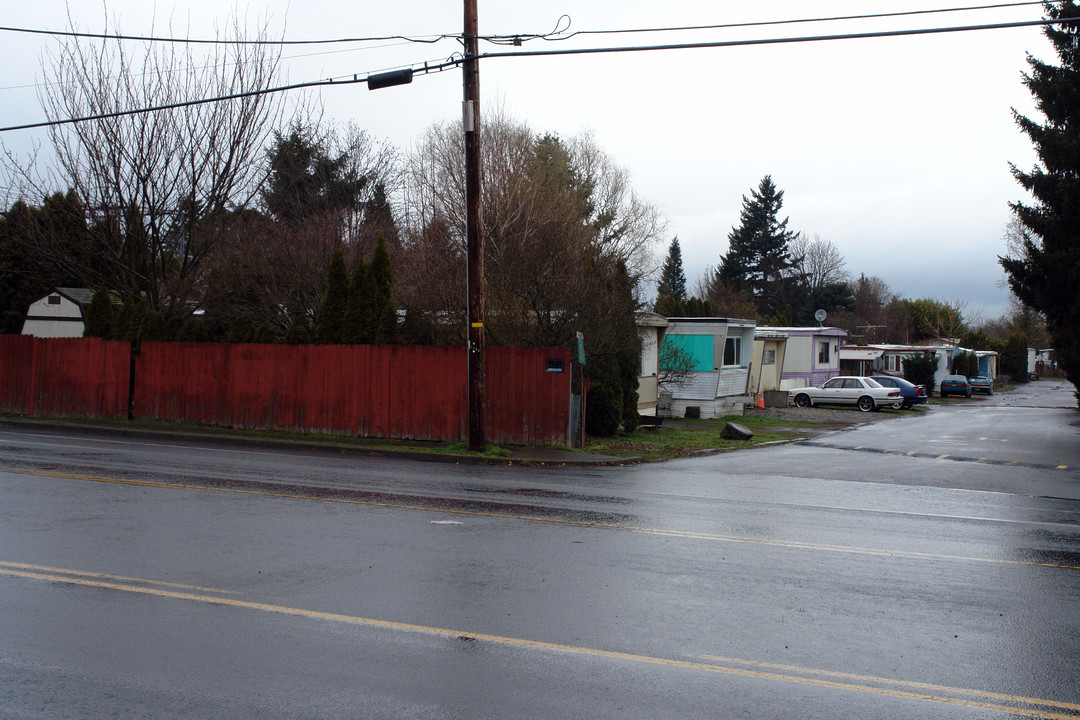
x,y
718,381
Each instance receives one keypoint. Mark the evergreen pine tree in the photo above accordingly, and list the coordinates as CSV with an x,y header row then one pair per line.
x,y
378,217
194,330
629,354
1047,274
331,316
126,323
672,277
151,323
359,323
99,315
299,332
384,311
1014,358
920,369
758,260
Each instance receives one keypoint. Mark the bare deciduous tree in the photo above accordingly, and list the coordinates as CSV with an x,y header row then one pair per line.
x,y
558,217
723,299
819,261
874,318
151,181
940,319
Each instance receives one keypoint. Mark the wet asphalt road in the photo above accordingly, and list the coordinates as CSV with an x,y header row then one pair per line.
x,y
925,566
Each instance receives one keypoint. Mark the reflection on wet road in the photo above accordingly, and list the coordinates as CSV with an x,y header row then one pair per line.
x,y
172,580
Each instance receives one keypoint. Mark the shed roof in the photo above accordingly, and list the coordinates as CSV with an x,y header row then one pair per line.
x,y
808,330
848,353
650,319
79,296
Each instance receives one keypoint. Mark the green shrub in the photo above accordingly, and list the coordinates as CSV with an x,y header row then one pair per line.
x,y
98,315
966,364
1014,358
920,369
603,410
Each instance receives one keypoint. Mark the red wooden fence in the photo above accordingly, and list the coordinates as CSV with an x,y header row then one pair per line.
x,y
64,377
400,392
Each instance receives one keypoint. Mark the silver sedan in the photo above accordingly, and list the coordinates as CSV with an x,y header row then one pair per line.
x,y
863,393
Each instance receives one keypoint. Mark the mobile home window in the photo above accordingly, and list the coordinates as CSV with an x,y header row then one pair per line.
x,y
823,352
768,357
733,351
54,299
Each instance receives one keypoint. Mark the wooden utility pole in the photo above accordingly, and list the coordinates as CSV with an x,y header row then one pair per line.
x,y
474,237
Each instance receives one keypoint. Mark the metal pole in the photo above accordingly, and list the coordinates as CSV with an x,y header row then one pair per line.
x,y
473,235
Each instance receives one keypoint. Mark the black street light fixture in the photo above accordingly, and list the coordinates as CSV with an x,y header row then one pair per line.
x,y
389,79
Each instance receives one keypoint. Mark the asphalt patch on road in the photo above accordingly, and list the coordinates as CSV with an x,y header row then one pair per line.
x,y
937,456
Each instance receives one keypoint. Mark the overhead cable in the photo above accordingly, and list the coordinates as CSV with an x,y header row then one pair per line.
x,y
555,35
457,60
218,41
559,36
355,79
783,40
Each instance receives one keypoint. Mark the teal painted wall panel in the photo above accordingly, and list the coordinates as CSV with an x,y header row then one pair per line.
x,y
698,347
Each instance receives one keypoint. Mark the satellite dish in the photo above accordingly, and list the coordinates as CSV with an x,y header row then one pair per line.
x,y
820,316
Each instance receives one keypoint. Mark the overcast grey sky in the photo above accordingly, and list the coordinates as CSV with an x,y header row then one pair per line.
x,y
895,149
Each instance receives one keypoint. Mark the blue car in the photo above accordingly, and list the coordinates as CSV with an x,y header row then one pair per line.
x,y
955,385
910,393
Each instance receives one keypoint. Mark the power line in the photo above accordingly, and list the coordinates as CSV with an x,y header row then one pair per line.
x,y
454,61
782,41
428,39
425,69
554,35
282,59
557,35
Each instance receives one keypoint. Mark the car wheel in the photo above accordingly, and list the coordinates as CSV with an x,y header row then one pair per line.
x,y
906,405
898,406
802,400
866,403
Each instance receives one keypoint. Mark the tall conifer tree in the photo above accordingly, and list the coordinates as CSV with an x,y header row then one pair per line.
x,y
758,261
331,318
385,314
672,277
1047,275
360,308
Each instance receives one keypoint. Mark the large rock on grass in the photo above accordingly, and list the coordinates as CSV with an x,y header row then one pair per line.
x,y
734,431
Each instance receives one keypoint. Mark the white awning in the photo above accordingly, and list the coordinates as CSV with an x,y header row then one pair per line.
x,y
860,354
